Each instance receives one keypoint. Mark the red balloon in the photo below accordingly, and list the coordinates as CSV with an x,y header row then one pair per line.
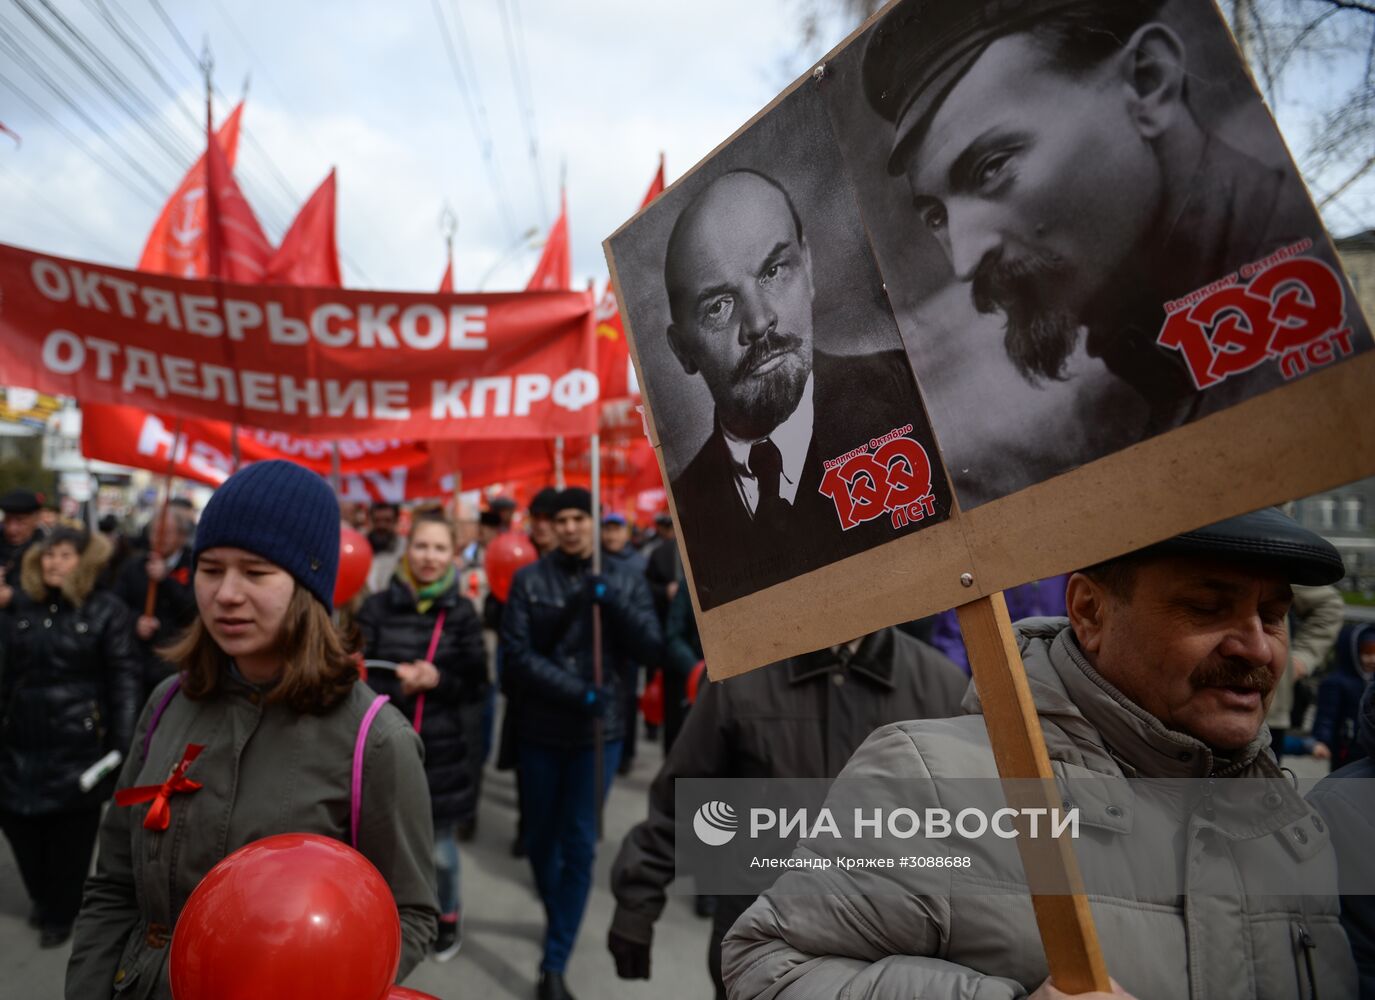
x,y
291,916
507,553
406,993
355,559
652,700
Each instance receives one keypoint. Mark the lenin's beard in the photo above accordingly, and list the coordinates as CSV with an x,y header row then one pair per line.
x,y
753,405
1038,338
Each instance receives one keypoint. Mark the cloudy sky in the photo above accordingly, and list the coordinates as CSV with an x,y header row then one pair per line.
x,y
369,88
598,87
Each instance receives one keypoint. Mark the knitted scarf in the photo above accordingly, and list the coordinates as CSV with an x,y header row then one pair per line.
x,y
425,594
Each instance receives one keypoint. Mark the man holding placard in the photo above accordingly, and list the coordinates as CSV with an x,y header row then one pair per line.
x,y
1152,697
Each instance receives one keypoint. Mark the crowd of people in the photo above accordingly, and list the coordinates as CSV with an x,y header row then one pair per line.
x,y
211,646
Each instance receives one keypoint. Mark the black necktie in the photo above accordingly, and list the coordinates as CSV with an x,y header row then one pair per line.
x,y
767,465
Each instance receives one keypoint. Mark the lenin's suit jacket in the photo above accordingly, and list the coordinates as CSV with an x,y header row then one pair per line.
x,y
855,398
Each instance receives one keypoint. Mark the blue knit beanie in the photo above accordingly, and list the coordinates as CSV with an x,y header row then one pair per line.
x,y
282,512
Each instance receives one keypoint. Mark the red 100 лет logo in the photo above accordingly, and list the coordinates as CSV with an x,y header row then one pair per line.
x,y
890,475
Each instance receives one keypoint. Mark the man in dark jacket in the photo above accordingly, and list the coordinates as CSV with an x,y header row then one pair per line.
x,y
567,711
168,564
1349,806
18,531
798,718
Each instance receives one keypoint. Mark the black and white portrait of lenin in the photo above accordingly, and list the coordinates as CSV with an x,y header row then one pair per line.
x,y
752,282
1079,164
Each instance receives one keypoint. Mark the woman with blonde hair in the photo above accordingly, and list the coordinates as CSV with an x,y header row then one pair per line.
x,y
424,625
70,689
264,730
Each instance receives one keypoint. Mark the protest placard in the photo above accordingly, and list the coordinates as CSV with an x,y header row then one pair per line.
x,y
1123,323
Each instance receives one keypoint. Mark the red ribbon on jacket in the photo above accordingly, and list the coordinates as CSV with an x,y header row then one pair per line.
x,y
159,815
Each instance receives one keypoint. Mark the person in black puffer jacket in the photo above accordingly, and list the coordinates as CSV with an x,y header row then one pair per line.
x,y
70,692
547,662
441,691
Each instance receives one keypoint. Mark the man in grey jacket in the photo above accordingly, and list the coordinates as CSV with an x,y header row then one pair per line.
x,y
1163,670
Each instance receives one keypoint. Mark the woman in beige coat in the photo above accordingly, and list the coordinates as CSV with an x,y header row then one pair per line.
x,y
266,687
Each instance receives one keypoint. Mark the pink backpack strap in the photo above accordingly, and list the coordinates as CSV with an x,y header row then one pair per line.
x,y
360,744
429,656
167,697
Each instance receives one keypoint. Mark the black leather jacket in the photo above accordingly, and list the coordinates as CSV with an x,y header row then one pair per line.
x,y
546,647
70,690
394,630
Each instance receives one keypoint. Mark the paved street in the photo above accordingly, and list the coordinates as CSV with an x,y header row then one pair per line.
x,y
501,950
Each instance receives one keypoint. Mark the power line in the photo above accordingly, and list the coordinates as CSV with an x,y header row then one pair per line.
x,y
76,140
173,94
153,113
248,48
483,136
38,73
520,79
177,157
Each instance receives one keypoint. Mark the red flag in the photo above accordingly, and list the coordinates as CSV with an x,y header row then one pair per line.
x,y
554,272
178,243
240,248
309,254
613,354
446,283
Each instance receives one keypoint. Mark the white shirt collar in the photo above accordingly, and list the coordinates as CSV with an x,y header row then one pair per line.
x,y
792,438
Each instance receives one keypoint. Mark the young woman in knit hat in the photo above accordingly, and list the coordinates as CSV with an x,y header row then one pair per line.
x,y
269,693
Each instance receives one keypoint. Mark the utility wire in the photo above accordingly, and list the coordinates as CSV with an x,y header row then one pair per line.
x,y
153,113
99,7
483,137
19,53
177,157
76,140
520,79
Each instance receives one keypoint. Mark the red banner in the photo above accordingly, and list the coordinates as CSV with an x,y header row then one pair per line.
x,y
319,361
369,469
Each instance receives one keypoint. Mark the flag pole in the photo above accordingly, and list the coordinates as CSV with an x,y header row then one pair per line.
x,y
150,596
598,734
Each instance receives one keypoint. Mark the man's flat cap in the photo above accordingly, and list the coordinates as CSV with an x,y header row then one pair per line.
x,y
21,501
916,55
1266,538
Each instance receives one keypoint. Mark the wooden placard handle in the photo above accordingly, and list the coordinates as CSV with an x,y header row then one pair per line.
x,y
1066,925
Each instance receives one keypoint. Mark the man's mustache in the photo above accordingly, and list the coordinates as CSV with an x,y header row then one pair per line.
x,y
1002,285
1039,337
769,344
1234,673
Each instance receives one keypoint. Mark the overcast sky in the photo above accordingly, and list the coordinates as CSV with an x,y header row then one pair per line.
x,y
369,88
